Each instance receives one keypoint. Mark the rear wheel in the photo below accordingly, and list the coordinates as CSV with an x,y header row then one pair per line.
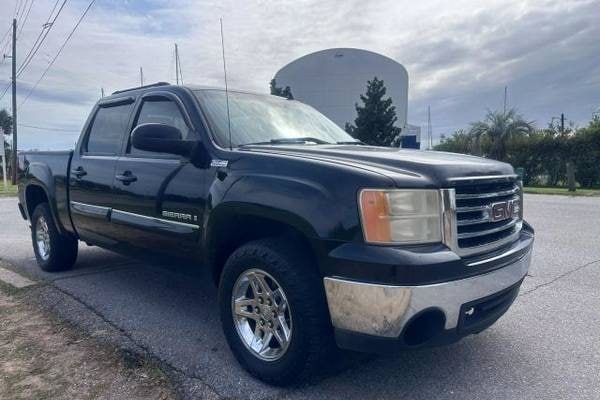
x,y
273,311
53,251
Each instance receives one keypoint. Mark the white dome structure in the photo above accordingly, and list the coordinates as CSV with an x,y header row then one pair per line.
x,y
332,81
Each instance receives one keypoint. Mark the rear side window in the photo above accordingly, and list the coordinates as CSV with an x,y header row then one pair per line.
x,y
108,128
163,111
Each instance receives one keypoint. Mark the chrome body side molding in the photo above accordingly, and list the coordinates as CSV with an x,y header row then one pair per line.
x,y
153,223
137,220
90,210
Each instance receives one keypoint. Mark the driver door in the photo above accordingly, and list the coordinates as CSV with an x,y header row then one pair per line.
x,y
154,203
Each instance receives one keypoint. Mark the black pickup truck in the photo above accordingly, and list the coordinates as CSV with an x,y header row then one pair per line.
x,y
312,237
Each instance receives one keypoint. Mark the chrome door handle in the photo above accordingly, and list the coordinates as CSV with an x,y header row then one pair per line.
x,y
78,172
126,177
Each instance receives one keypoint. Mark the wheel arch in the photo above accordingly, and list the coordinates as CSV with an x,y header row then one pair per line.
x,y
34,195
232,225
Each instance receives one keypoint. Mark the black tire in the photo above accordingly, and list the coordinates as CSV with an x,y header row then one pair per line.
x,y
62,251
311,341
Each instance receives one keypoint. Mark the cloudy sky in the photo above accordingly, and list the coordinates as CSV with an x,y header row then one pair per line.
x,y
459,54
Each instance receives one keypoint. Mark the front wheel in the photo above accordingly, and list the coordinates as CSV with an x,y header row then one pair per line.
x,y
273,311
53,251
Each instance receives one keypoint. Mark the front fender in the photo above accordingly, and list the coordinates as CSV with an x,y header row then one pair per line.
x,y
303,204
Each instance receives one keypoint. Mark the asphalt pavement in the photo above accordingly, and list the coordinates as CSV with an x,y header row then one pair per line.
x,y
546,346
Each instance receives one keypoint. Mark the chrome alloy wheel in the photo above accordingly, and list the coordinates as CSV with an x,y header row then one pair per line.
x,y
42,238
261,314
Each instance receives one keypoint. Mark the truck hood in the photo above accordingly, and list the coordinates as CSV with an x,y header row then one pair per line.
x,y
403,166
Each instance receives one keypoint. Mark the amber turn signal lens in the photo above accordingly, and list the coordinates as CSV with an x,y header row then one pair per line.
x,y
401,216
375,210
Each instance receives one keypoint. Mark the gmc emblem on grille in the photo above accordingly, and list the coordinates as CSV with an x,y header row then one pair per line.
x,y
504,210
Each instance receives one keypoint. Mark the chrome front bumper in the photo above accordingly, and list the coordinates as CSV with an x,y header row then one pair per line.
x,y
384,310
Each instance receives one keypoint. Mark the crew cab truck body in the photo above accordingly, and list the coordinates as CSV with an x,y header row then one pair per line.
x,y
311,236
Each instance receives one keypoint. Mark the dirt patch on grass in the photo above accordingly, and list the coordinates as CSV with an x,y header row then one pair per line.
x,y
41,358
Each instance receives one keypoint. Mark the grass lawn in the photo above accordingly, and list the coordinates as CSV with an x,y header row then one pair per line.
x,y
12,189
561,191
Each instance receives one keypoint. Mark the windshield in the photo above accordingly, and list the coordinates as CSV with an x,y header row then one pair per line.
x,y
266,119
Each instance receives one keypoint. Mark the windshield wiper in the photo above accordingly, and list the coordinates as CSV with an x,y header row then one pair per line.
x,y
352,142
297,140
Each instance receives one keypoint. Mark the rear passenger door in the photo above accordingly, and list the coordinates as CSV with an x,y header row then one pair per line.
x,y
154,203
93,170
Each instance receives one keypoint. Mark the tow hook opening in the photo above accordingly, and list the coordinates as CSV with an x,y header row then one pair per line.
x,y
424,327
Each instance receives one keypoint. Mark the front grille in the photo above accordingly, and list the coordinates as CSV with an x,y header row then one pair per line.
x,y
474,222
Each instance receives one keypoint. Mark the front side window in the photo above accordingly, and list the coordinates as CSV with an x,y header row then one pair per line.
x,y
163,111
107,130
263,119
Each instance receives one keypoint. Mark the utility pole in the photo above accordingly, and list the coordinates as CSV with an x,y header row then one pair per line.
x,y
429,132
505,97
102,92
3,159
141,77
176,64
14,103
570,167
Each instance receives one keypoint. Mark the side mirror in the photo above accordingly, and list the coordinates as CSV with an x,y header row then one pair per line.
x,y
160,138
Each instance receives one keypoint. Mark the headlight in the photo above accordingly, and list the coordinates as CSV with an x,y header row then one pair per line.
x,y
401,216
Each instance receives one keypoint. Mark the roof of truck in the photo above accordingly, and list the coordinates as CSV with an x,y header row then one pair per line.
x,y
191,87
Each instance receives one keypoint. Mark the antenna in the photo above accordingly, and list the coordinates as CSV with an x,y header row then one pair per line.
x,y
226,89
429,133
141,77
176,64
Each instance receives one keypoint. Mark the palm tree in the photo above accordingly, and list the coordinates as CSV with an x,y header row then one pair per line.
x,y
496,129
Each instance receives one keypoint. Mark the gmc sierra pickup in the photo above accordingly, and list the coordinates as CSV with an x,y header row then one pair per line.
x,y
312,237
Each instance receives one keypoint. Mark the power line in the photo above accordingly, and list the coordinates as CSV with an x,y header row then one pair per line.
x,y
46,28
6,44
59,51
53,9
47,128
4,91
20,11
17,6
6,34
25,18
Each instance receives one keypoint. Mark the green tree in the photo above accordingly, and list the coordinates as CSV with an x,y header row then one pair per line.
x,y
585,153
543,153
497,129
6,126
5,121
376,117
459,142
281,92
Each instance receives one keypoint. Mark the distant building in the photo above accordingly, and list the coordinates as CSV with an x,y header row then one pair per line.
x,y
332,81
411,137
